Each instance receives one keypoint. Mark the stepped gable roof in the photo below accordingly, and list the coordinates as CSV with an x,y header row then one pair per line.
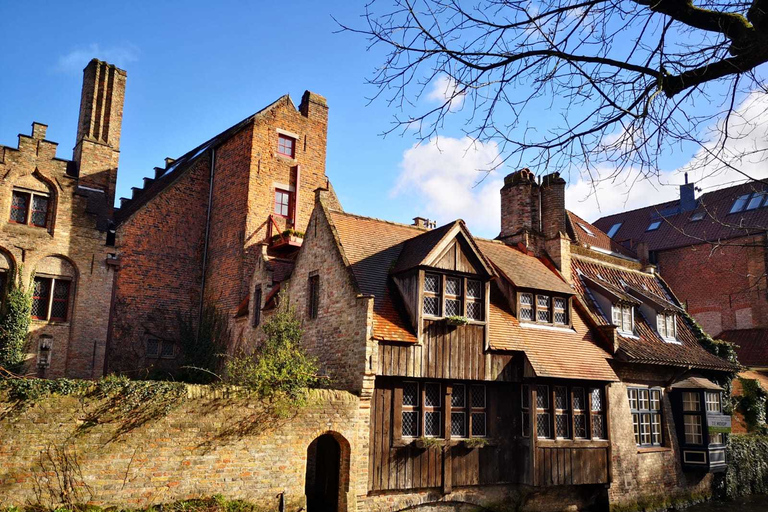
x,y
584,233
752,345
372,249
184,162
678,230
646,346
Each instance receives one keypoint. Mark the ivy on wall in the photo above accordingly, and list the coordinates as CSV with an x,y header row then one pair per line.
x,y
747,467
752,404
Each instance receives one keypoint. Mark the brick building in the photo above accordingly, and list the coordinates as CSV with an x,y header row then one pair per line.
x,y
190,236
712,252
55,235
533,367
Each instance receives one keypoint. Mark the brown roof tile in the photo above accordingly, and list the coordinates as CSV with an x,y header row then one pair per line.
x,y
585,233
552,352
647,346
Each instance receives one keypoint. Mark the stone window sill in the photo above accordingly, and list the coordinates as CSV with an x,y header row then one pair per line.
x,y
654,449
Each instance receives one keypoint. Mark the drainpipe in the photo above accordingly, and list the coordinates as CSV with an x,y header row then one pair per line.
x,y
207,232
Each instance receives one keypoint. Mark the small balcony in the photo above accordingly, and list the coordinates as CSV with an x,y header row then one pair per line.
x,y
282,241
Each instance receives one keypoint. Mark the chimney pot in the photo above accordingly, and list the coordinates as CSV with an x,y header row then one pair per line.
x,y
169,161
423,222
687,196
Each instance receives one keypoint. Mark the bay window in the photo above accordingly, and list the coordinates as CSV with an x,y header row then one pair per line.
x,y
692,418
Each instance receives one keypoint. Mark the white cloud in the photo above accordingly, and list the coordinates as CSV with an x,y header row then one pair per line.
x,y
78,58
442,177
746,151
444,89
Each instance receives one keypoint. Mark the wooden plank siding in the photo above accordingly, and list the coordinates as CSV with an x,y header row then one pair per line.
x,y
397,464
447,352
571,465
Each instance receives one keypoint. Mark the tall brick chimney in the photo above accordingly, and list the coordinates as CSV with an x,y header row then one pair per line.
x,y
519,208
97,148
687,196
552,205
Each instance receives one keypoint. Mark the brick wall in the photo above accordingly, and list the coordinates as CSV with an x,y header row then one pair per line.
x,y
638,473
71,236
160,249
724,287
209,445
339,336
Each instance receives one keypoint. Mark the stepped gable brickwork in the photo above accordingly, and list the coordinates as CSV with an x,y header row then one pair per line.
x,y
57,227
193,235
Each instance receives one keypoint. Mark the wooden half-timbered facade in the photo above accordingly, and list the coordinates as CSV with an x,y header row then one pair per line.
x,y
530,364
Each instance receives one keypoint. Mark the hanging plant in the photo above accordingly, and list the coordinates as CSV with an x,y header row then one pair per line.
x,y
476,442
424,443
457,320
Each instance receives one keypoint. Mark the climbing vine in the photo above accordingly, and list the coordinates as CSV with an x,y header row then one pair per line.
x,y
752,404
747,467
14,324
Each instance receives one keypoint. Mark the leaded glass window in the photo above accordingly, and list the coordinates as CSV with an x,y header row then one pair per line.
x,y
542,309
597,414
526,306
543,426
560,309
30,208
410,409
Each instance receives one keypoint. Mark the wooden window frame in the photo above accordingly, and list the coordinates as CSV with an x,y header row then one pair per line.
x,y
161,345
281,137
548,389
442,296
313,295
30,209
280,204
446,409
51,298
560,411
544,390
644,413
593,413
582,412
551,309
525,410
666,318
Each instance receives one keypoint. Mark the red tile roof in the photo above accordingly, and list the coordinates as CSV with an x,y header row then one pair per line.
x,y
752,346
553,352
646,346
584,233
678,230
373,247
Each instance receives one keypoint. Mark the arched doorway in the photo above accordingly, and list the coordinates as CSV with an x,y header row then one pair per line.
x,y
323,474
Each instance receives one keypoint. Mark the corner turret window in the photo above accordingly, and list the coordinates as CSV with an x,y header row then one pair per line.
x,y
29,208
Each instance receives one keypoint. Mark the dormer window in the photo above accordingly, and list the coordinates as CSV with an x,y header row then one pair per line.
x,y
447,296
542,308
666,325
624,318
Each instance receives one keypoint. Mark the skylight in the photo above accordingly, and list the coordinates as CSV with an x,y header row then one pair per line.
x,y
613,229
653,226
756,201
585,228
739,204
697,216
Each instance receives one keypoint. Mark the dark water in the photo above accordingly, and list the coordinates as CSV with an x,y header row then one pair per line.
x,y
749,504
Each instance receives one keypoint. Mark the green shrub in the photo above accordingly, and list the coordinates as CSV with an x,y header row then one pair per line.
x,y
752,404
14,325
279,371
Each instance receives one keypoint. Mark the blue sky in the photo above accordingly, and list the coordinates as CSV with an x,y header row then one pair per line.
x,y
196,68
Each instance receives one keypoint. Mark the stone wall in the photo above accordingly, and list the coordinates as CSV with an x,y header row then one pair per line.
x,y
207,445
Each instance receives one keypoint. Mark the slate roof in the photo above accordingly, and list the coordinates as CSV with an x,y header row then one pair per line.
x,y
752,345
372,248
584,233
678,230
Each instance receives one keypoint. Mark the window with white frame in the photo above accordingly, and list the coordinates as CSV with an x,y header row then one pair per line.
x,y
713,404
692,419
623,317
645,406
666,325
